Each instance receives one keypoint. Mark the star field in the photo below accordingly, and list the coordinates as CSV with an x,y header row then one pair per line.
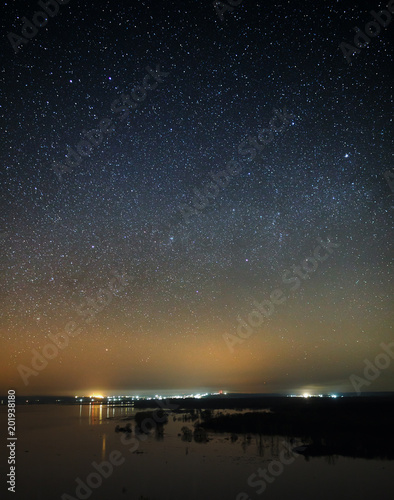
x,y
122,209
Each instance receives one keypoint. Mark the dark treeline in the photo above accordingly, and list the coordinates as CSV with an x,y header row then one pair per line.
x,y
349,426
356,427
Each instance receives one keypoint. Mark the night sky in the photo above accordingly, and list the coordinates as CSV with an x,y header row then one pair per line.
x,y
133,246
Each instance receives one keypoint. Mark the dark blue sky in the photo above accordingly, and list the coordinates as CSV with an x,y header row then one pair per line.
x,y
122,208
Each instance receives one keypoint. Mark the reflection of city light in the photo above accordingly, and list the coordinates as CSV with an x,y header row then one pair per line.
x,y
103,448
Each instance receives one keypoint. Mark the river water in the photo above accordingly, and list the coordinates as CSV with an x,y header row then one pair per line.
x,y
58,444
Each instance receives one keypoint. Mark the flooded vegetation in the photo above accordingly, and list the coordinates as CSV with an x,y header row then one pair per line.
x,y
210,453
350,427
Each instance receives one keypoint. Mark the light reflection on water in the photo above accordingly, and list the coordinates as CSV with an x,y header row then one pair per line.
x,y
103,448
57,444
95,413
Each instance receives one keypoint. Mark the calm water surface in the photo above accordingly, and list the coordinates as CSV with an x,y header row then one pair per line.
x,y
58,444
